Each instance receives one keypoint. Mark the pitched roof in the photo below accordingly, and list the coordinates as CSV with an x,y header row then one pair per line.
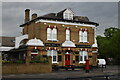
x,y
7,41
59,17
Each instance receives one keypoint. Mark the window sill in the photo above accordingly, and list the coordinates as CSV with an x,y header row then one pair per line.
x,y
83,42
53,40
55,62
82,62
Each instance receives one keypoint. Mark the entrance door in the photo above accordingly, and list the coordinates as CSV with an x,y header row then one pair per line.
x,y
67,59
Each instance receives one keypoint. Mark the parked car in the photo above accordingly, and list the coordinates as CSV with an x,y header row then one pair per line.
x,y
102,63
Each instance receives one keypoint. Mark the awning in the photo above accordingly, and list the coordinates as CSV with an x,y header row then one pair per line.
x,y
68,44
35,42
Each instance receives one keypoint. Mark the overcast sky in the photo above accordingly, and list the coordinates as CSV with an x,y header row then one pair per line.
x,y
104,13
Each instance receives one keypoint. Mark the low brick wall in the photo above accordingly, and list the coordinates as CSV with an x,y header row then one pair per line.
x,y
26,68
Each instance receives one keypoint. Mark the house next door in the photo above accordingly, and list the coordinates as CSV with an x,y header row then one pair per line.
x,y
67,59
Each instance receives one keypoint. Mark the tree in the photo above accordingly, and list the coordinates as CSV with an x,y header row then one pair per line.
x,y
109,32
109,46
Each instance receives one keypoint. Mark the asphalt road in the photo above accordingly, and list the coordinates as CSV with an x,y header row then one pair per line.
x,y
110,73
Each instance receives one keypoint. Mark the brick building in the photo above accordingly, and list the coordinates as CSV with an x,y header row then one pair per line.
x,y
67,38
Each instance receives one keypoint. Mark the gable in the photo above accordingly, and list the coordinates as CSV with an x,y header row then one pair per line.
x,y
68,11
68,14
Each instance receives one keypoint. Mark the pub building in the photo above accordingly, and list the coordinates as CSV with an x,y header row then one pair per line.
x,y
67,38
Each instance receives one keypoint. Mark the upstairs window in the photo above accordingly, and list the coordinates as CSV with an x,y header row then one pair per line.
x,y
80,36
83,36
52,34
49,35
68,35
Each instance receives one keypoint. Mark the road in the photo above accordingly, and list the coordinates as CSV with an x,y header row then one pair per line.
x,y
110,73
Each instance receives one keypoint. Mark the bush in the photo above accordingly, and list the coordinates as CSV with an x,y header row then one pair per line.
x,y
45,61
6,62
38,57
38,61
32,61
19,62
9,62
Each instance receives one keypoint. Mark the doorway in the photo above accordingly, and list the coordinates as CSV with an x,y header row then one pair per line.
x,y
67,59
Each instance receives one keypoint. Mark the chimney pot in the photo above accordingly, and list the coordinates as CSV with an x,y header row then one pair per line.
x,y
34,16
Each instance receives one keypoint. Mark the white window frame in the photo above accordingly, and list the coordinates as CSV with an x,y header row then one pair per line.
x,y
85,36
49,33
52,34
53,53
83,54
80,36
67,35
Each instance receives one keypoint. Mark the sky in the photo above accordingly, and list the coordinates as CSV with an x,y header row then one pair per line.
x,y
104,13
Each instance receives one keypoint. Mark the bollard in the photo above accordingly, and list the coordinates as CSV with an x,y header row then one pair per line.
x,y
87,68
102,68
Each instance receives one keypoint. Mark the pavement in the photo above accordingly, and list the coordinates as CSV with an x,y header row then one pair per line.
x,y
110,73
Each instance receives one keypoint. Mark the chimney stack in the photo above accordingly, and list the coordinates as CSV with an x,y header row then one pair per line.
x,y
34,16
27,15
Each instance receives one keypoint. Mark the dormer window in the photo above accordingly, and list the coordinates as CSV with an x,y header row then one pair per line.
x,y
68,14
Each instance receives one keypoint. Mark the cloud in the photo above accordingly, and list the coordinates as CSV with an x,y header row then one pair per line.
x,y
13,13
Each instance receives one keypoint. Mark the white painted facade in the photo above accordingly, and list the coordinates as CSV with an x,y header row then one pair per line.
x,y
19,39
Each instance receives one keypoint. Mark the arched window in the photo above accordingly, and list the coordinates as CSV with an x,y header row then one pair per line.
x,y
67,34
49,34
54,34
85,36
80,36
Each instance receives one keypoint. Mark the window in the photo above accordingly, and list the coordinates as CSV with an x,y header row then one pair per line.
x,y
49,36
68,35
68,15
52,34
34,54
59,58
53,54
83,36
80,36
83,56
76,58
34,51
65,16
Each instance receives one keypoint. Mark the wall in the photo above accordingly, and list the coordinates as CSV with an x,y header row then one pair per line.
x,y
25,68
39,30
